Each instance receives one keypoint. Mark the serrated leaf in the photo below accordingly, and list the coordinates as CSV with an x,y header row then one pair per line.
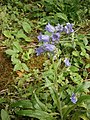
x,y
5,115
62,16
24,66
26,27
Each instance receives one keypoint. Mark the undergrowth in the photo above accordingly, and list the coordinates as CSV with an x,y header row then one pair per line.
x,y
48,43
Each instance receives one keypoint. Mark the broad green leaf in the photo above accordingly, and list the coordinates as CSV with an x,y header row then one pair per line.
x,y
18,66
17,46
22,104
26,27
87,56
87,66
5,115
41,115
15,60
73,68
7,34
62,16
75,53
21,34
26,56
10,52
24,66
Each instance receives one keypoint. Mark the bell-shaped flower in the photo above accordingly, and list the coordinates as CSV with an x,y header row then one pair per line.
x,y
67,63
43,38
68,28
50,28
59,28
49,47
39,50
55,37
73,98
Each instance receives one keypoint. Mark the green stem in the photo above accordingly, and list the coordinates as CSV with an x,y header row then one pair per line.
x,y
56,88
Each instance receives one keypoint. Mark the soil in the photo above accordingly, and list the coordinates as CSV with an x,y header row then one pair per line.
x,y
5,70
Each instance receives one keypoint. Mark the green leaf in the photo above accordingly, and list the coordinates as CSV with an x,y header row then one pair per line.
x,y
83,98
73,69
26,27
42,106
75,53
21,34
62,16
17,46
10,52
41,115
28,39
85,41
18,66
82,87
7,34
87,66
24,66
22,104
5,115
15,60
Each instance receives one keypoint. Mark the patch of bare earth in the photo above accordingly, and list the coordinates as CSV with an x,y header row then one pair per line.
x,y
5,70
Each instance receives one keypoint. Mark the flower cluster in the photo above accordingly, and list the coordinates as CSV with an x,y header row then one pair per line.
x,y
49,41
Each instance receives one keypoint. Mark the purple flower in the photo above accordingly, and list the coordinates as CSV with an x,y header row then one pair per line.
x,y
50,28
43,38
39,50
67,63
73,98
55,36
68,28
59,28
49,47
